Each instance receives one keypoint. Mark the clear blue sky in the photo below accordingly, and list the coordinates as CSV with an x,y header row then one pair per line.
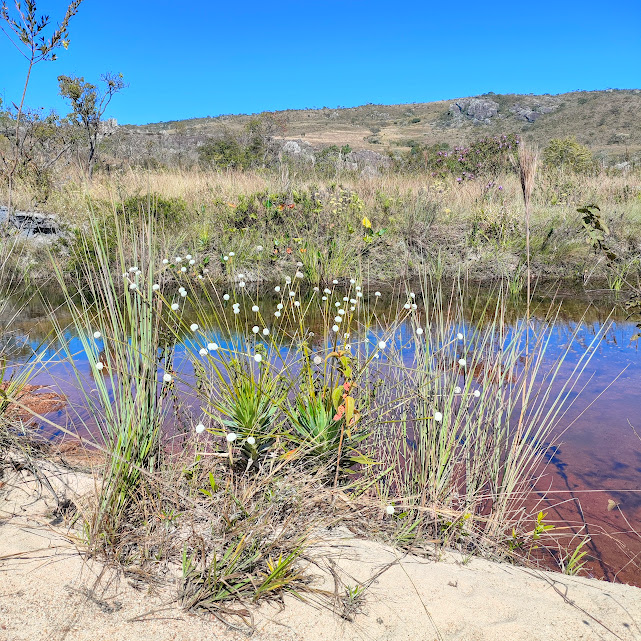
x,y
204,58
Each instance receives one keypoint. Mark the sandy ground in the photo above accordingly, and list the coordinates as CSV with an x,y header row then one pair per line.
x,y
49,591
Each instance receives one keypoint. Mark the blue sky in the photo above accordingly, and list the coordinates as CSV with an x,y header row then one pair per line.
x,y
205,58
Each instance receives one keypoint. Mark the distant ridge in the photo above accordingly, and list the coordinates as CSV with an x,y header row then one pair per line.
x,y
608,121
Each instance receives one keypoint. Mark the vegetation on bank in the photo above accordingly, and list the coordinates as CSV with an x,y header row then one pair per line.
x,y
418,221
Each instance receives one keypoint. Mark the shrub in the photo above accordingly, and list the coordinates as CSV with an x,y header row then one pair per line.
x,y
567,153
163,210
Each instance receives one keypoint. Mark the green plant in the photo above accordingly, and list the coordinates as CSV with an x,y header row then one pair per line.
x,y
573,563
127,323
567,153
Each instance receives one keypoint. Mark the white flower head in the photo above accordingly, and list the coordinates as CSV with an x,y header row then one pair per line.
x,y
438,417
406,306
352,281
265,331
202,351
165,261
178,259
335,328
277,288
377,294
292,293
193,327
232,254
251,440
419,331
477,393
192,262
335,282
317,289
317,360
231,437
174,306
183,293
299,264
459,336
133,286
255,308
200,428
457,390
323,297
277,314
327,291
462,362
181,289
300,275
167,378
225,296
99,365
338,319
259,248
279,306
390,510
97,334
155,287
258,358
255,329
225,257
212,347
382,344
241,284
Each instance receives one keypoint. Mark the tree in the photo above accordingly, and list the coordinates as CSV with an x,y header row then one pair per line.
x,y
27,33
88,104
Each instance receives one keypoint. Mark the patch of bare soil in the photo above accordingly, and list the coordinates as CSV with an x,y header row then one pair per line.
x,y
50,590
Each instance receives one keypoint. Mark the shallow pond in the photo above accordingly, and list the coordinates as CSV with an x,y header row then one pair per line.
x,y
599,458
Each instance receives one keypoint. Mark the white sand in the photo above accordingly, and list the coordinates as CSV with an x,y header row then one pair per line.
x,y
48,592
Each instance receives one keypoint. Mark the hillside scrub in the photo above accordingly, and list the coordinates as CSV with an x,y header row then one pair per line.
x,y
416,220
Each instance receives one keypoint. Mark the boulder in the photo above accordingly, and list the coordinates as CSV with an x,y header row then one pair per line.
x,y
31,222
478,110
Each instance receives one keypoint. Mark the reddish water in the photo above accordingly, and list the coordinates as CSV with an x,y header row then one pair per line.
x,y
597,460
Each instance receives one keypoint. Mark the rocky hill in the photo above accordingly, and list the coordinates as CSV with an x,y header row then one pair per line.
x,y
609,122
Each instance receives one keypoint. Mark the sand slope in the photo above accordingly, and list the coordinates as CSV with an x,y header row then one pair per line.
x,y
47,591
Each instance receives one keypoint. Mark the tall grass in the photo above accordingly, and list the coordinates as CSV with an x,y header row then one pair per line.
x,y
118,320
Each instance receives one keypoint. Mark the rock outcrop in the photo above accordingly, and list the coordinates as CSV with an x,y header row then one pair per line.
x,y
477,110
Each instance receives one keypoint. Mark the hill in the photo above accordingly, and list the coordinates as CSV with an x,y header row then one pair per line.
x,y
609,122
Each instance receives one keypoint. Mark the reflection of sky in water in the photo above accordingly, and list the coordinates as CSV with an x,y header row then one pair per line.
x,y
597,447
